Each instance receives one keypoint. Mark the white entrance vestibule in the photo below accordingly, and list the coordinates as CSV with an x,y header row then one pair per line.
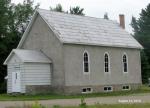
x,y
27,68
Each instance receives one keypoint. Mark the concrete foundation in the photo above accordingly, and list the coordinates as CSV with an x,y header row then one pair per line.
x,y
97,89
35,89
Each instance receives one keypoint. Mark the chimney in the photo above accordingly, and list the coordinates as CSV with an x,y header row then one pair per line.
x,y
122,21
29,1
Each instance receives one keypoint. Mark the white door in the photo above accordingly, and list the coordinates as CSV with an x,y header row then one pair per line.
x,y
16,81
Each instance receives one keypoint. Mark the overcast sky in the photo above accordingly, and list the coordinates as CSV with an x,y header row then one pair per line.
x,y
97,8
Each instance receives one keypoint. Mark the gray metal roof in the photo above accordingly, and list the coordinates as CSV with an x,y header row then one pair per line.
x,y
77,29
29,56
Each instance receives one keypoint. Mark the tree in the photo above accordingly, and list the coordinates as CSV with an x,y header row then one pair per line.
x,y
145,67
134,25
76,10
23,14
141,29
58,8
106,16
73,10
14,20
4,13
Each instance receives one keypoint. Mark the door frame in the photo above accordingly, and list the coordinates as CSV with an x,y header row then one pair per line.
x,y
16,76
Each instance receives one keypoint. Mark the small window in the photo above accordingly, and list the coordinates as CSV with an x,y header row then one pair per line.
x,y
126,87
87,90
125,63
108,88
105,88
84,90
86,62
106,63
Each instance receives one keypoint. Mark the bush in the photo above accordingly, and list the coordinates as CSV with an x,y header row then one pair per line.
x,y
3,87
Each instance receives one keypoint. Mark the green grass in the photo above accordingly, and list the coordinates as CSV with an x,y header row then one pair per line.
x,y
139,105
6,97
144,105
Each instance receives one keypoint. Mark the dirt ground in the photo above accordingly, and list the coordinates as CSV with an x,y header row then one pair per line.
x,y
140,98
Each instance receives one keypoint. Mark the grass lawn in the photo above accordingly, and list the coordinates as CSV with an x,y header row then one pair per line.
x,y
142,105
6,97
146,105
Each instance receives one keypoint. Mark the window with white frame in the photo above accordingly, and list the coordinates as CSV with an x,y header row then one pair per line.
x,y
87,90
108,88
106,63
125,87
86,62
125,63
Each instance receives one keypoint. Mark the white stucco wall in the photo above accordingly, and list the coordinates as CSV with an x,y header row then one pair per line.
x,y
42,38
73,60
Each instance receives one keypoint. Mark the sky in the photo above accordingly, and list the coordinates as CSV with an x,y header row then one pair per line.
x,y
97,8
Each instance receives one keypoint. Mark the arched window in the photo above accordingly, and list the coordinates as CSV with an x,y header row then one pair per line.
x,y
86,62
106,63
125,64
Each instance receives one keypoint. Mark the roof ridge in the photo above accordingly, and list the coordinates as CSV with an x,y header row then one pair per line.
x,y
85,30
76,29
114,21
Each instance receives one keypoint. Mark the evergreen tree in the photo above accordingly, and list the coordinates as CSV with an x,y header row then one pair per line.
x,y
141,29
106,16
145,67
58,8
76,10
134,25
73,10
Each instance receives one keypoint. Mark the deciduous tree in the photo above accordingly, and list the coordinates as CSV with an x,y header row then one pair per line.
x,y
14,19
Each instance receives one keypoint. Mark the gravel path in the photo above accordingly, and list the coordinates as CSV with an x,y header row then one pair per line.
x,y
140,98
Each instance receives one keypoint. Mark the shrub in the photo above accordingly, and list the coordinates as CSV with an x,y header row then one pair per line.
x,y
3,87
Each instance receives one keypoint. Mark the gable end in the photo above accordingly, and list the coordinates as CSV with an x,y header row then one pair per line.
x,y
35,15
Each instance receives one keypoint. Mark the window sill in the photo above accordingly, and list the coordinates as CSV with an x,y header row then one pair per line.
x,y
86,73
